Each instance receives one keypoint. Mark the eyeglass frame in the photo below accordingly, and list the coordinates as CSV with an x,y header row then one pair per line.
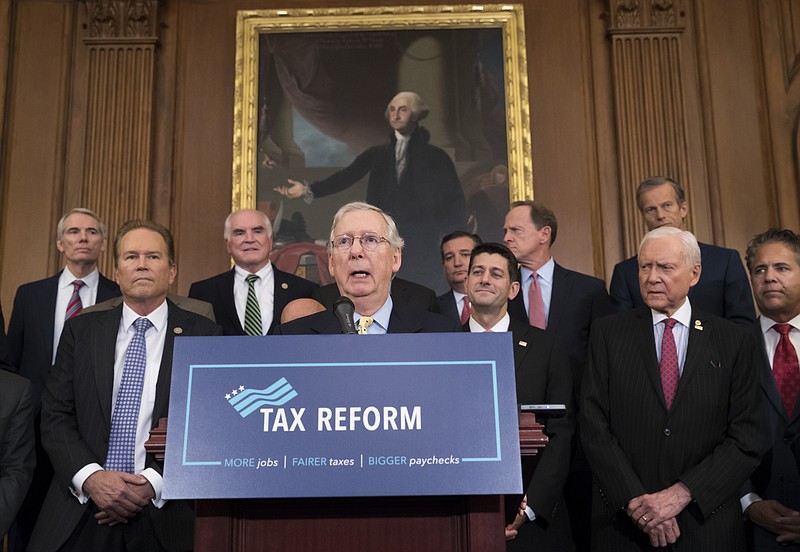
x,y
360,238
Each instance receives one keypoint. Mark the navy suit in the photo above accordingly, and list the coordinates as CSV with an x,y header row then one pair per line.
x,y
17,452
577,300
446,305
30,343
723,289
402,291
711,439
777,477
76,423
30,331
5,359
218,290
404,319
542,376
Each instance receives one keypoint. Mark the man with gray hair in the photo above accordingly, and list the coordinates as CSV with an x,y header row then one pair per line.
x,y
249,299
413,180
364,251
40,310
671,419
723,288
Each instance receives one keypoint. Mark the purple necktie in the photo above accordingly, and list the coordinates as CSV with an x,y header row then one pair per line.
x,y
669,363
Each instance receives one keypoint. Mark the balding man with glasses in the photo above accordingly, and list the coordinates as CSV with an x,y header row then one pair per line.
x,y
364,252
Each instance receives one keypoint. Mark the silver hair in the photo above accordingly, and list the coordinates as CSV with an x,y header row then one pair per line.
x,y
392,234
418,106
82,211
689,246
227,232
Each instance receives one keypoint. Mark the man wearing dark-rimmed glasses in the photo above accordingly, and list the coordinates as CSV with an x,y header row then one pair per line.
x,y
364,252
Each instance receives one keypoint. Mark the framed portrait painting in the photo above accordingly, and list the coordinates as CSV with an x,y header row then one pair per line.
x,y
421,111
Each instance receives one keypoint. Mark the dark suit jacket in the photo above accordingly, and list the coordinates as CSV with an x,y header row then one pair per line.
x,y
777,477
723,289
76,421
17,456
711,439
404,319
402,291
218,290
543,376
30,331
186,303
446,305
5,358
576,302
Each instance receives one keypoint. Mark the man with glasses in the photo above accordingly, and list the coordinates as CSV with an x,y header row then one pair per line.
x,y
364,252
249,299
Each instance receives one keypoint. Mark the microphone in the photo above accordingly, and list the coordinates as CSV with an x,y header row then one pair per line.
x,y
344,309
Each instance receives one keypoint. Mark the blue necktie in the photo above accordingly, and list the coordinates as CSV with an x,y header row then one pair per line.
x,y
122,442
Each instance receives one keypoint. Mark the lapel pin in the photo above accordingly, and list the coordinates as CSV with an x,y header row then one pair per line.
x,y
715,364
523,343
284,285
698,325
178,330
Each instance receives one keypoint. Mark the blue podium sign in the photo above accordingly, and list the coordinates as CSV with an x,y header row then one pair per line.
x,y
342,415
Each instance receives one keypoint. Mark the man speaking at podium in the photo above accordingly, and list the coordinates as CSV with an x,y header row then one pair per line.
x,y
364,253
108,387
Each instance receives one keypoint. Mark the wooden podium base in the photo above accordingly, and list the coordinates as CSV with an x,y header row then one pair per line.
x,y
386,524
372,524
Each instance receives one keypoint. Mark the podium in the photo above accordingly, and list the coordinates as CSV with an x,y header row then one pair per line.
x,y
458,523
342,447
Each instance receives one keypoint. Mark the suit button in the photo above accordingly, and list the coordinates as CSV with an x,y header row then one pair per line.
x,y
667,432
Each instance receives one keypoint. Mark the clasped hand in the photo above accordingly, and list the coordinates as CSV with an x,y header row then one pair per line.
x,y
776,518
118,495
654,514
511,529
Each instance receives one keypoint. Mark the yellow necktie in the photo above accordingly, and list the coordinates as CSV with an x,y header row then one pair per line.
x,y
363,324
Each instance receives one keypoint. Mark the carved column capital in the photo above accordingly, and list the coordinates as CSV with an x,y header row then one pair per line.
x,y
647,15
122,18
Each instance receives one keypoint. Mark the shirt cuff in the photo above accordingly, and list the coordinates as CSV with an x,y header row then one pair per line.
x,y
76,488
530,513
157,483
748,499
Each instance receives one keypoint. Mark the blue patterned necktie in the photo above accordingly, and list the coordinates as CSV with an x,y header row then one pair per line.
x,y
122,442
670,374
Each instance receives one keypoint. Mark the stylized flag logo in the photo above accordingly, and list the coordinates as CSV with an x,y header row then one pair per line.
x,y
247,401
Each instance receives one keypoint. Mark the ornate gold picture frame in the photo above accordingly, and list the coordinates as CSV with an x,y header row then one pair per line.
x,y
312,87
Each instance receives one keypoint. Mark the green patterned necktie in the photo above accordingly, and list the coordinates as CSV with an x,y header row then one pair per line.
x,y
252,312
